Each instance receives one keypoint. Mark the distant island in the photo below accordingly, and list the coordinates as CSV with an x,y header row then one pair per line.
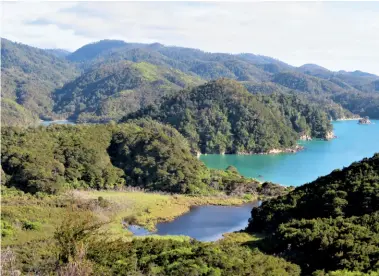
x,y
364,121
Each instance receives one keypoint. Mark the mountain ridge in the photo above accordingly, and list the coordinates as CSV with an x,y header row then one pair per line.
x,y
31,76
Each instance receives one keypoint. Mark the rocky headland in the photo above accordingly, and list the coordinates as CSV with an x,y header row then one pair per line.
x,y
364,121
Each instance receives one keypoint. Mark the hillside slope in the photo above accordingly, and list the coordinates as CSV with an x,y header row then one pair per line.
x,y
115,89
29,75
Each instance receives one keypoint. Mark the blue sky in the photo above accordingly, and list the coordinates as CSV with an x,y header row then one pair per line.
x,y
336,35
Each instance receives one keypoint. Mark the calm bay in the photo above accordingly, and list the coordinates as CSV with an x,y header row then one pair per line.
x,y
353,143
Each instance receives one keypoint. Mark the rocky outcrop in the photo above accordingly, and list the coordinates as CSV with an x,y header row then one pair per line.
x,y
330,135
305,137
364,121
275,151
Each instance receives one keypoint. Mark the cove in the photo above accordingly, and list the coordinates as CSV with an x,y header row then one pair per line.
x,y
58,122
204,223
353,143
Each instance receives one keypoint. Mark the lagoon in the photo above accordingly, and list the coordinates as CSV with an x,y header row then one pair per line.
x,y
204,223
353,143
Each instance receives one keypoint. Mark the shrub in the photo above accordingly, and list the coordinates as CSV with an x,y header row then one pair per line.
x,y
30,225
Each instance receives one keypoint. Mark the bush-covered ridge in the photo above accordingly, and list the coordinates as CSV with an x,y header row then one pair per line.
x,y
222,117
329,224
169,257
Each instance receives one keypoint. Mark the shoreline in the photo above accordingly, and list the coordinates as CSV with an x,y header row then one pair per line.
x,y
295,149
347,119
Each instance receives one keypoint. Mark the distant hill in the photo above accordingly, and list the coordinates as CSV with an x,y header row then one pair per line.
x,y
29,75
113,90
92,50
61,53
315,70
306,83
313,79
205,65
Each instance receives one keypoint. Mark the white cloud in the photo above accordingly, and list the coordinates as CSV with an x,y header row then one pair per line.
x,y
334,35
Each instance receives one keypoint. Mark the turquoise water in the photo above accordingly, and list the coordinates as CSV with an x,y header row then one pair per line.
x,y
353,143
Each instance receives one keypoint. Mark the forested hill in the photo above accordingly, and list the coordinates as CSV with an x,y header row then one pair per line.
x,y
141,153
112,90
222,117
28,77
331,223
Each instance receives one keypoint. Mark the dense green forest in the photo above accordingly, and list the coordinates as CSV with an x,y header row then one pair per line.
x,y
329,224
141,153
222,117
100,86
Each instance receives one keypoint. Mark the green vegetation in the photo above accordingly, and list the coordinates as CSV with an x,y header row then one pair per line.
x,y
118,208
322,103
93,50
222,117
330,224
111,90
365,104
168,257
304,118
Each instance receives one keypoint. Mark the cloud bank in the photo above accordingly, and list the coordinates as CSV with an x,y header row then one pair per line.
x,y
336,35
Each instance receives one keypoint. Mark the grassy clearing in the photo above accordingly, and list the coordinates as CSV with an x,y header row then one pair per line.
x,y
23,212
148,70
